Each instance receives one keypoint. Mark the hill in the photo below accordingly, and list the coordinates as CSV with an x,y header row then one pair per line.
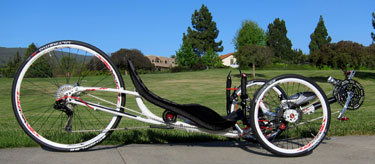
x,y
7,54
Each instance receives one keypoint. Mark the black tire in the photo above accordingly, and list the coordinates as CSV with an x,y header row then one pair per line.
x,y
47,74
302,131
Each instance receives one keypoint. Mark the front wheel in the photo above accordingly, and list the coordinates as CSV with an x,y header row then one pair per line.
x,y
40,102
302,113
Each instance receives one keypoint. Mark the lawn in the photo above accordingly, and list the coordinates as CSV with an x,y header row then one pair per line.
x,y
203,87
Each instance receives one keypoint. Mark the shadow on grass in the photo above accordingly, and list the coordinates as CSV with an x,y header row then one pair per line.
x,y
365,75
322,79
360,75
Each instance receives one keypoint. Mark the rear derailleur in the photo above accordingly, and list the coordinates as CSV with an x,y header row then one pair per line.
x,y
61,105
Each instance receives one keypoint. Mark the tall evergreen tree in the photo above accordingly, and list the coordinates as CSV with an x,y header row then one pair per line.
x,y
42,67
320,36
373,25
29,50
278,41
202,36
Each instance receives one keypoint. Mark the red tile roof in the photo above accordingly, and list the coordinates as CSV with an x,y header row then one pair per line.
x,y
225,56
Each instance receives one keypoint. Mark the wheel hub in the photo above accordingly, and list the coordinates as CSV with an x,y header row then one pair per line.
x,y
291,115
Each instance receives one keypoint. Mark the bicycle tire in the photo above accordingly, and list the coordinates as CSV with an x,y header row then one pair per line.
x,y
45,76
302,131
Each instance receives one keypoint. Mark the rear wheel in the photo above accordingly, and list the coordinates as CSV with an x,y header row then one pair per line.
x,y
301,113
39,95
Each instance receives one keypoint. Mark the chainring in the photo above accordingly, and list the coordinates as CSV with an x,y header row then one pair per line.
x,y
341,93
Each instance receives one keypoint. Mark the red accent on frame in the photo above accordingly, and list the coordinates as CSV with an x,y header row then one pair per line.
x,y
263,127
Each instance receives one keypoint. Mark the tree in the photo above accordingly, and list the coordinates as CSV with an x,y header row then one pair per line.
x,y
297,57
121,57
95,64
373,26
250,41
370,57
278,41
342,55
319,37
185,56
211,59
253,55
12,66
249,33
67,64
39,68
30,50
202,36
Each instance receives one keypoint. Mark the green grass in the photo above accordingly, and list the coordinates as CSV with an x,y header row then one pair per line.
x,y
202,87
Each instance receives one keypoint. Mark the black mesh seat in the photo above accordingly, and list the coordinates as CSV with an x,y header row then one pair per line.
x,y
201,115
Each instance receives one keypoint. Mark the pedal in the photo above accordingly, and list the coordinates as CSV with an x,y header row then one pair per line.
x,y
343,119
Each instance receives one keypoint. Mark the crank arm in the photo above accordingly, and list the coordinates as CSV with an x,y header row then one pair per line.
x,y
350,96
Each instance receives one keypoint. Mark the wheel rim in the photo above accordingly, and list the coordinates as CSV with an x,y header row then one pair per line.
x,y
37,90
295,137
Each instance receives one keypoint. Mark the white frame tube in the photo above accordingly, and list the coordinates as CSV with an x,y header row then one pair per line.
x,y
150,117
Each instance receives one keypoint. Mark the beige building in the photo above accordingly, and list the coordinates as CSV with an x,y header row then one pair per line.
x,y
229,60
161,62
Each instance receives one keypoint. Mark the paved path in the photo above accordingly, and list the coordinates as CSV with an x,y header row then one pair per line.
x,y
342,150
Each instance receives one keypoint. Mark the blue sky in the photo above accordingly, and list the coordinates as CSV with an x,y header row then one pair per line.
x,y
156,26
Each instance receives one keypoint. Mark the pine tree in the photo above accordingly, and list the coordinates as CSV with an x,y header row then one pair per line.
x,y
29,50
278,41
202,36
43,67
320,37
